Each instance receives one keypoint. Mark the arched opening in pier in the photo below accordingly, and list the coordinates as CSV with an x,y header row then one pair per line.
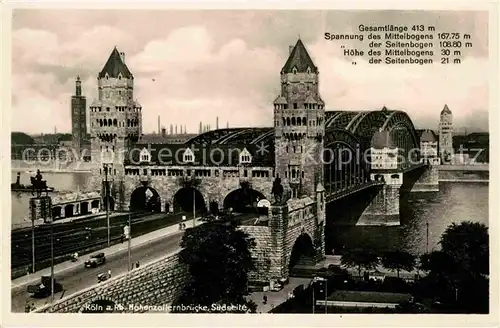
x,y
69,210
84,208
56,212
94,204
246,200
188,198
303,254
145,199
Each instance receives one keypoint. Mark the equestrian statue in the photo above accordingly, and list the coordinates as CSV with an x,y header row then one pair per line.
x,y
39,185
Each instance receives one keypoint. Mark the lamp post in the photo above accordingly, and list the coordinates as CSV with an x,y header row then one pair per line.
x,y
427,237
51,261
194,207
33,245
106,194
129,240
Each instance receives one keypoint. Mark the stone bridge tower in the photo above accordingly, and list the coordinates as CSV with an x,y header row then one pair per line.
x,y
446,135
299,114
115,126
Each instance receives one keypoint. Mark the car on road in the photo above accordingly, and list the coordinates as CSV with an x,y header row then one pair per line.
x,y
95,260
44,288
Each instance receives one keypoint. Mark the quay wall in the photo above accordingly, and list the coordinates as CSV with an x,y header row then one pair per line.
x,y
155,284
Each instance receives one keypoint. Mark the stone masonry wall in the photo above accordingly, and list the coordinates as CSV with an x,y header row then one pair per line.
x,y
213,188
428,181
383,209
263,253
154,284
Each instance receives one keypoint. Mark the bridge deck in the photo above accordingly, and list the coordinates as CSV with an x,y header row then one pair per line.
x,y
340,193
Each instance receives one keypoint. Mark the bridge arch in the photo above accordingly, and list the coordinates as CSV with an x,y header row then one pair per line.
x,y
187,198
145,199
302,253
344,160
244,200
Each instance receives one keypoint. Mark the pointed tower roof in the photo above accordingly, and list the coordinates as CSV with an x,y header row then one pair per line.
x,y
115,66
445,110
300,59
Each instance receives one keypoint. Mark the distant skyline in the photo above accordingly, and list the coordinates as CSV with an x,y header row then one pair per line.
x,y
191,66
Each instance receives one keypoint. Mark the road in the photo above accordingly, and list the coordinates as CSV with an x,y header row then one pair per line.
x,y
80,278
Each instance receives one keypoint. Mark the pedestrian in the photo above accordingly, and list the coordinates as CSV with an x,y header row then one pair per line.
x,y
264,299
137,264
28,271
109,273
183,226
121,238
32,307
27,307
180,226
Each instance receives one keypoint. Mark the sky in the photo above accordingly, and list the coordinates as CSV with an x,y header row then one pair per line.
x,y
192,66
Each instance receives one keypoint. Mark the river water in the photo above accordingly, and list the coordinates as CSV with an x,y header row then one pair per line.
x,y
455,202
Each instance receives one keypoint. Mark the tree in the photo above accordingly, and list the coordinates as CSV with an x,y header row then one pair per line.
x,y
360,259
398,260
219,259
468,244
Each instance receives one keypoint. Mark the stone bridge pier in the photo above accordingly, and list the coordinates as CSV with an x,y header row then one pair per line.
x,y
429,179
383,208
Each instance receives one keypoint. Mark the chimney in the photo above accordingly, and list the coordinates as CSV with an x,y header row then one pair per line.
x,y
185,130
122,57
158,124
171,129
227,124
163,132
209,128
217,123
201,127
176,129
290,49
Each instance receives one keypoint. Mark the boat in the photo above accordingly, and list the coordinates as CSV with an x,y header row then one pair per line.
x,y
17,186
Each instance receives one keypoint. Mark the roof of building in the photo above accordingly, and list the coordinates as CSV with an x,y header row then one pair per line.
x,y
166,139
427,136
114,66
71,197
382,139
445,110
300,59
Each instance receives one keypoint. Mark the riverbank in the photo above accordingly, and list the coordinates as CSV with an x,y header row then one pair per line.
x,y
463,176
51,166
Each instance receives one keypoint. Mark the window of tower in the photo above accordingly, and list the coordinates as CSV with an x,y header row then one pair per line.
x,y
295,106
110,123
107,109
115,122
285,106
105,122
304,121
293,120
288,121
299,121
